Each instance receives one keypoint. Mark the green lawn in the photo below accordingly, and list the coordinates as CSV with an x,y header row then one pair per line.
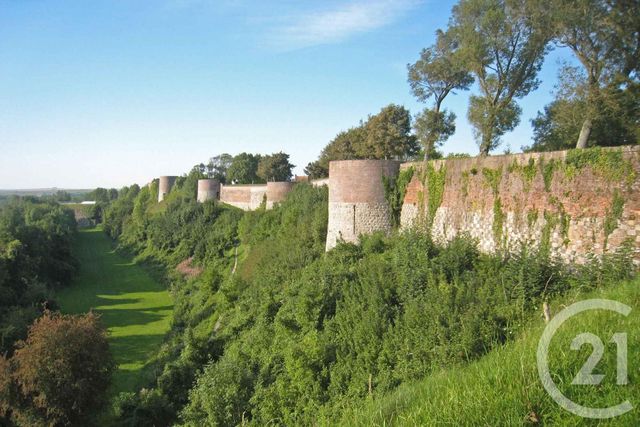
x,y
136,309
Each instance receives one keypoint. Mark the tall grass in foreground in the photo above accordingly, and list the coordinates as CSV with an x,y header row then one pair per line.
x,y
503,387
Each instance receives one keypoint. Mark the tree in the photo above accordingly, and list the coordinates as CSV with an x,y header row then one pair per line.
x,y
62,370
432,128
218,166
502,42
6,386
603,35
559,126
99,195
315,170
388,135
345,146
243,169
438,72
275,167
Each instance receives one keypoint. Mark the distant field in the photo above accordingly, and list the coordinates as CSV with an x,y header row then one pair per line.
x,y
136,309
41,192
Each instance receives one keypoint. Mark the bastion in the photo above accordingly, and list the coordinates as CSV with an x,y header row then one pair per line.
x,y
165,185
357,203
277,192
208,189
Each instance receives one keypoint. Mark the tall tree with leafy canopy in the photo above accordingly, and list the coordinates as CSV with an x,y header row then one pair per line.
x,y
388,135
502,42
244,169
275,167
559,126
345,146
218,166
438,72
604,35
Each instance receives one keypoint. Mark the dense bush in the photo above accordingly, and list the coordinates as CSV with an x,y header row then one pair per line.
x,y
35,258
60,374
366,318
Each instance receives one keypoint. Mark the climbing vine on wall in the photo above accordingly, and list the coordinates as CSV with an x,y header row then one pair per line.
x,y
465,184
609,164
547,168
433,180
498,220
527,172
492,178
613,215
394,192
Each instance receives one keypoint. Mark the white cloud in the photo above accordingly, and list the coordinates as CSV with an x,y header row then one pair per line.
x,y
338,24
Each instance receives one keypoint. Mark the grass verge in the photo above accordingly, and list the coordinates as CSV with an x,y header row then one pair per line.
x,y
503,388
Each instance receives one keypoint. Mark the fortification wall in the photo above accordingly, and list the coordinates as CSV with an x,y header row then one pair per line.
x,y
574,203
246,197
357,203
208,189
165,185
319,182
277,192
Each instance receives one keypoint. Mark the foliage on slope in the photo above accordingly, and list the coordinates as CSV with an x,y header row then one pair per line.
x,y
35,259
503,388
295,333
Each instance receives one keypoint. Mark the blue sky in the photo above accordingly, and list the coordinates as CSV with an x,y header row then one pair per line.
x,y
108,93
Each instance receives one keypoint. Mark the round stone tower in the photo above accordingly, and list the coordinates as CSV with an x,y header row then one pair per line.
x,y
277,192
208,189
165,185
357,203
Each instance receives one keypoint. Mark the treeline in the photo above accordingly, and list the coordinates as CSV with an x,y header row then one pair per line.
x,y
498,47
54,369
275,331
248,168
35,259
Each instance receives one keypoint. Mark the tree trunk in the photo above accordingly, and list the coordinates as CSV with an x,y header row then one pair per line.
x,y
546,311
485,146
584,134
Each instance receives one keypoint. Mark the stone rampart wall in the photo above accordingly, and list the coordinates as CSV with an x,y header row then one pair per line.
x,y
576,203
246,197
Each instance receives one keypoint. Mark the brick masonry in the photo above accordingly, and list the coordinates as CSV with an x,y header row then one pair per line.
x,y
277,192
165,185
357,203
208,189
246,197
569,213
250,197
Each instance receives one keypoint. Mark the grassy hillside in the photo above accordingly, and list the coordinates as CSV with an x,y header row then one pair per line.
x,y
503,387
136,309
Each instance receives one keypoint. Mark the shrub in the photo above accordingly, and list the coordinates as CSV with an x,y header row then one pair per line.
x,y
62,370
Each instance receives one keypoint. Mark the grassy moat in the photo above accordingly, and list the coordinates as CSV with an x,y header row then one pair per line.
x,y
134,307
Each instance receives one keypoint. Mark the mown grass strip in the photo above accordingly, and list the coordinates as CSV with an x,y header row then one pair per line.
x,y
135,308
